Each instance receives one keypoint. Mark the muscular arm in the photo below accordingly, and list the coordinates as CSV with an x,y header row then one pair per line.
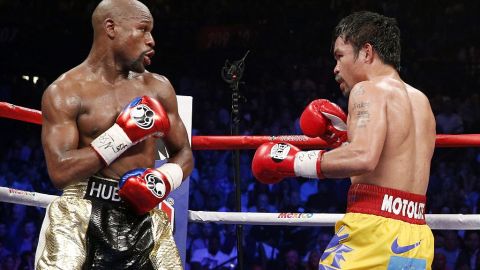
x,y
176,140
367,127
66,164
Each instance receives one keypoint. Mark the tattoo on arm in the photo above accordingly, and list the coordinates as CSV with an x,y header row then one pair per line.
x,y
361,105
360,91
362,112
363,118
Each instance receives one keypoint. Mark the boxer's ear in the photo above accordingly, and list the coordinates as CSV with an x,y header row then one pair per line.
x,y
367,53
109,26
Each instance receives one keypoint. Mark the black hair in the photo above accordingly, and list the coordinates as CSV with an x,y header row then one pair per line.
x,y
380,31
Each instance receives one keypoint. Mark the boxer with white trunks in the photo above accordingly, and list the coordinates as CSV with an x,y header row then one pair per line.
x,y
100,123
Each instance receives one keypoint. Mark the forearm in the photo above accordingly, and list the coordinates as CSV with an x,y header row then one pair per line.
x,y
184,159
74,166
345,162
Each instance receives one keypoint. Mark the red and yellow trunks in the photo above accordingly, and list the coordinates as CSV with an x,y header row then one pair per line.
x,y
383,229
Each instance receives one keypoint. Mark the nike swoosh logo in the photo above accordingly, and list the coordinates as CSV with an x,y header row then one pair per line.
x,y
402,249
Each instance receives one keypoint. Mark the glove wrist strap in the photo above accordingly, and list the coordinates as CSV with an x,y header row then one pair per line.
x,y
305,164
173,172
111,144
319,165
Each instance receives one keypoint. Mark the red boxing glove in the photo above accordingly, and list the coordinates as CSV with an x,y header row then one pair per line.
x,y
324,119
141,118
145,188
274,161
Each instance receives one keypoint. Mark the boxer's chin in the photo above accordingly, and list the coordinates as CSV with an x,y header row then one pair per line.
x,y
146,61
345,89
138,66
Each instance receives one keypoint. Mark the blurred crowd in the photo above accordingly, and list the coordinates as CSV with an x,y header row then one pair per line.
x,y
454,182
290,65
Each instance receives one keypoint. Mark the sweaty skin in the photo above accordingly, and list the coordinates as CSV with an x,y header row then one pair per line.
x,y
86,100
391,127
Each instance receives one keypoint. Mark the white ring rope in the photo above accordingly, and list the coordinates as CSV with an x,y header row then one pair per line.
x,y
12,195
434,221
288,219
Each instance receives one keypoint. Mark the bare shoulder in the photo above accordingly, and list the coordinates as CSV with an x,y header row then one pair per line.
x,y
412,91
359,89
420,101
162,89
366,89
159,83
364,95
62,95
154,78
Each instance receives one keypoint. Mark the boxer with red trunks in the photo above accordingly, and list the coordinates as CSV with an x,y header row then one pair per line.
x,y
384,145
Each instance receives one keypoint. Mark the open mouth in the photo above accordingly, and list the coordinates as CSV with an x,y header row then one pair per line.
x,y
147,58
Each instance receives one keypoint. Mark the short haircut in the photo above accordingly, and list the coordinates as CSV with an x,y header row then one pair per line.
x,y
380,31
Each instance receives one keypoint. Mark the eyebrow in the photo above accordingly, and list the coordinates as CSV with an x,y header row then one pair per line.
x,y
142,18
145,23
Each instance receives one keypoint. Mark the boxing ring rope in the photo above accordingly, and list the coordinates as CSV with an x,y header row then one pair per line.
x,y
304,142
15,112
435,221
20,113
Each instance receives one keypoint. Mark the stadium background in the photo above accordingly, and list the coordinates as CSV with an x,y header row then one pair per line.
x,y
289,64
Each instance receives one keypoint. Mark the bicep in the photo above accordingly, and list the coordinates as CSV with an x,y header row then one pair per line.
x,y
367,125
59,127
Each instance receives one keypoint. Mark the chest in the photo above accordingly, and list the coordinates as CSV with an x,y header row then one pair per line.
x,y
101,108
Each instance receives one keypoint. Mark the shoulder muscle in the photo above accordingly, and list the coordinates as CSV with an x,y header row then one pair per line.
x,y
58,101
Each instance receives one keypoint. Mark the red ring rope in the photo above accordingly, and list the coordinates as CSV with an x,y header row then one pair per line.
x,y
11,111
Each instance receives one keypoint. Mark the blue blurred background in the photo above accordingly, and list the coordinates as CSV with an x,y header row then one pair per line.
x,y
290,63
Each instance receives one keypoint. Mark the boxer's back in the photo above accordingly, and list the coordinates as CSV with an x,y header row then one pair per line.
x,y
404,163
425,136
